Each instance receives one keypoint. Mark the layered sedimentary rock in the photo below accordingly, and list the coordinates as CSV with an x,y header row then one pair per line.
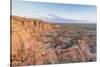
x,y
34,41
34,25
25,36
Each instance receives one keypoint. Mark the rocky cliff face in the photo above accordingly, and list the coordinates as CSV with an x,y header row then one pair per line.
x,y
34,25
25,36
34,41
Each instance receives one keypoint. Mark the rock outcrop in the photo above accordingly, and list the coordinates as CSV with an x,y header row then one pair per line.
x,y
35,42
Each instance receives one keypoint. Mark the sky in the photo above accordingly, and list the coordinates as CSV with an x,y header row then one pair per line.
x,y
54,12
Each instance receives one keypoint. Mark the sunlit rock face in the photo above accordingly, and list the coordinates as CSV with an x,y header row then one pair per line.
x,y
26,40
35,42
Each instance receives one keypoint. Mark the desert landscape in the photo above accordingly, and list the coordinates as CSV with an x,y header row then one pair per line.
x,y
37,42
52,33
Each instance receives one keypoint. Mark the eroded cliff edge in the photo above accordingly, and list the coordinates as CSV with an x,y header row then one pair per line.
x,y
34,41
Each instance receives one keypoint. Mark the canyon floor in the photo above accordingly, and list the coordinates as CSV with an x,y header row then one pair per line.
x,y
36,42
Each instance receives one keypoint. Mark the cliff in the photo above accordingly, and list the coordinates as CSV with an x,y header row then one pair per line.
x,y
34,41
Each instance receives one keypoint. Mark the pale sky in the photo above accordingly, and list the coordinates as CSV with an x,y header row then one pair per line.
x,y
54,11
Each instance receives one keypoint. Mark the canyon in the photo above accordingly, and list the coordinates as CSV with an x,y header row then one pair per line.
x,y
36,42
